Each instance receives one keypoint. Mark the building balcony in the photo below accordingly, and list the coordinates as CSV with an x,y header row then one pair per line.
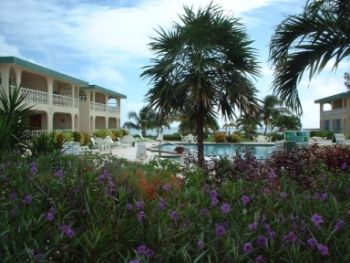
x,y
35,96
62,101
335,112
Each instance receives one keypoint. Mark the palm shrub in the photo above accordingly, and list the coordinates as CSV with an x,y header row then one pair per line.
x,y
45,143
14,116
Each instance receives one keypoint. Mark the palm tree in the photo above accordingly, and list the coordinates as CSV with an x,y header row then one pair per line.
x,y
203,65
269,110
307,42
145,119
286,122
248,124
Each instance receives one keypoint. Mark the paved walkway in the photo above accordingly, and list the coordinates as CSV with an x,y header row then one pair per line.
x,y
129,152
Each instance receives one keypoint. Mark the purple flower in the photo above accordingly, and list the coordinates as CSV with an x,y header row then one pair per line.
x,y
225,208
200,245
214,202
323,196
220,231
261,241
50,216
267,227
162,205
245,199
213,194
272,175
28,199
339,224
68,231
204,212
174,216
140,205
34,168
317,219
291,237
141,216
253,226
13,196
247,247
312,242
323,249
260,259
272,235
167,188
143,250
284,195
59,173
135,261
344,166
129,206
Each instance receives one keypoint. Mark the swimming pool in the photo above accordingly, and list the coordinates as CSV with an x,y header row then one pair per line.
x,y
225,150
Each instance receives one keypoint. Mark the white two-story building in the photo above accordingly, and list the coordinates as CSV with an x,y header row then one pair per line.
x,y
59,101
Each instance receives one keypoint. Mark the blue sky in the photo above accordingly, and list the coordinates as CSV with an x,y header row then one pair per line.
x,y
105,42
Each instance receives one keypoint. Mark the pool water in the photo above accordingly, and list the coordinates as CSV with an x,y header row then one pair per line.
x,y
225,150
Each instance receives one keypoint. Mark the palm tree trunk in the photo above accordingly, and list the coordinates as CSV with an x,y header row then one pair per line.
x,y
265,128
200,136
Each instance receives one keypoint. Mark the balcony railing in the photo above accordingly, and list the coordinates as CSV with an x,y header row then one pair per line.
x,y
76,103
100,106
35,96
63,101
333,112
113,109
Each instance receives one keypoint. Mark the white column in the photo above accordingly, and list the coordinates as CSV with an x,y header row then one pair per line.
x,y
106,102
73,95
18,77
72,121
5,74
50,90
49,120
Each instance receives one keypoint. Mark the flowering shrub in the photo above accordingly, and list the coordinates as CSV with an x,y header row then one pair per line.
x,y
102,209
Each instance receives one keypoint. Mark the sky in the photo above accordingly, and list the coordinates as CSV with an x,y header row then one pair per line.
x,y
105,42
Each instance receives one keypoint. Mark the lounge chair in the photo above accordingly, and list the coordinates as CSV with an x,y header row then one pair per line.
x,y
74,148
101,144
127,140
261,139
189,138
339,138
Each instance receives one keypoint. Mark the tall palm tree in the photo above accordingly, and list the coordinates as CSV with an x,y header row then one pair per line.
x,y
145,119
269,110
307,42
248,124
203,65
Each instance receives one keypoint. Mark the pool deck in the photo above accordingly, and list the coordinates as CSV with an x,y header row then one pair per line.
x,y
129,152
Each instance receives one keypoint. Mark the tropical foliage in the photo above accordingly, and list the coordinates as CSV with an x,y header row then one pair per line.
x,y
202,67
97,208
285,122
145,119
270,110
307,42
248,124
14,122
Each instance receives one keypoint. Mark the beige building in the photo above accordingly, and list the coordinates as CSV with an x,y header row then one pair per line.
x,y
59,101
335,113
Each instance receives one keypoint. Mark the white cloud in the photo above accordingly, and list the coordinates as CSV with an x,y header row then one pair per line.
x,y
6,49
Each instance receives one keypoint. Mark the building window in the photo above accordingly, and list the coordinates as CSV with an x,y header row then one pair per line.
x,y
326,125
337,125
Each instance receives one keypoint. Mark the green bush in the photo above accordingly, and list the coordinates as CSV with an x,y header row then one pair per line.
x,y
67,136
234,137
45,143
328,134
219,137
172,137
102,209
276,136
